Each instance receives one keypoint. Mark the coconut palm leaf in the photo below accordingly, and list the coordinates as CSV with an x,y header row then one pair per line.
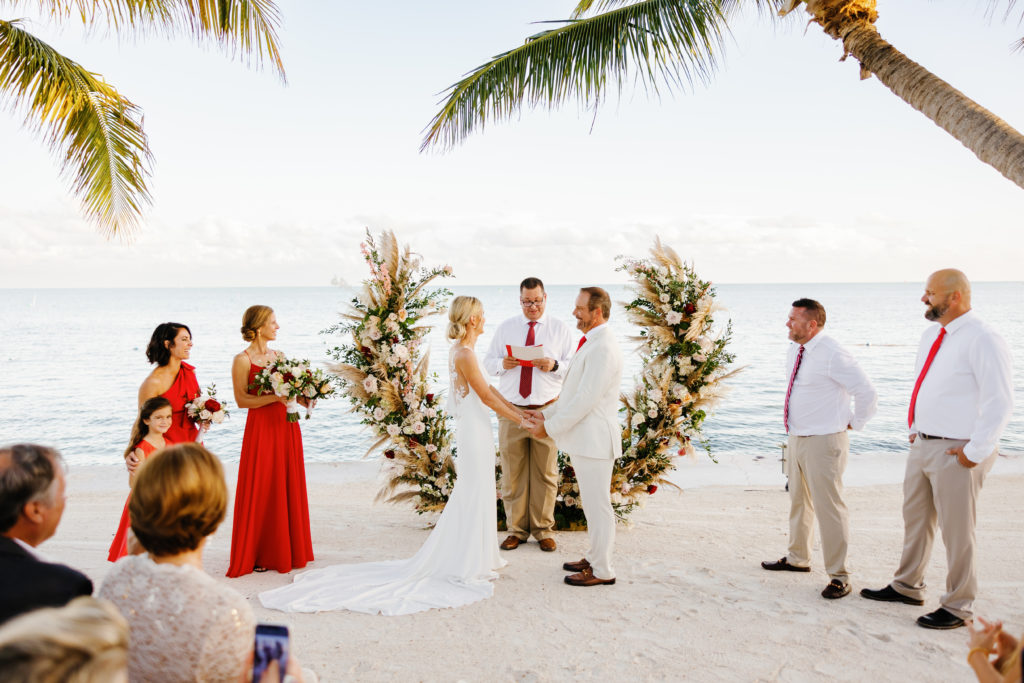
x,y
96,132
670,41
246,28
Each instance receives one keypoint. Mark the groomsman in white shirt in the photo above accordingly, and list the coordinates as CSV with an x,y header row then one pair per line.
x,y
529,465
822,377
961,402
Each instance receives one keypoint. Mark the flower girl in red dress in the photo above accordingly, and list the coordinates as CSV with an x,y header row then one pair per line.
x,y
148,436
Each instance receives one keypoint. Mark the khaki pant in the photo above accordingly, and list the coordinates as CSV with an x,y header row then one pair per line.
x,y
937,488
529,481
816,466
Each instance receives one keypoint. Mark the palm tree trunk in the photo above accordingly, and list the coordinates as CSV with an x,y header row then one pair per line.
x,y
993,140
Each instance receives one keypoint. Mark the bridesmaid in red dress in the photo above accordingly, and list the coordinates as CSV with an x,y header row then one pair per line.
x,y
172,378
148,436
270,529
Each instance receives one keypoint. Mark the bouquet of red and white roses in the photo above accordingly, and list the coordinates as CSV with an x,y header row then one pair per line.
x,y
293,380
205,409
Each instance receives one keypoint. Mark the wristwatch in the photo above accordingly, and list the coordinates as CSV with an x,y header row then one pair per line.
x,y
554,367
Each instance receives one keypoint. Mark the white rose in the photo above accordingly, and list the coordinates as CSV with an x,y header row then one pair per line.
x,y
407,429
700,357
218,417
652,413
378,413
625,489
431,412
616,498
370,384
374,333
205,414
402,314
664,298
392,316
400,351
638,419
655,394
569,501
419,428
673,317
393,430
431,448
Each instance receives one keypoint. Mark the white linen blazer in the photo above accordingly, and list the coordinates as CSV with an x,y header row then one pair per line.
x,y
585,419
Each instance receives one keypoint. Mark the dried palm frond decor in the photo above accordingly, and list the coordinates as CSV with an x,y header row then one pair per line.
x,y
384,374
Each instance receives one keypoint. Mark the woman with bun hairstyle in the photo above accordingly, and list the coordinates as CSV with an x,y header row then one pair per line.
x,y
172,378
270,529
458,561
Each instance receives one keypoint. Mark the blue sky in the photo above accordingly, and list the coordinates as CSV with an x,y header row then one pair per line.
x,y
784,168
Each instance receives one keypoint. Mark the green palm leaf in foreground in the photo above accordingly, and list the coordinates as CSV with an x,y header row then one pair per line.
x,y
668,40
96,131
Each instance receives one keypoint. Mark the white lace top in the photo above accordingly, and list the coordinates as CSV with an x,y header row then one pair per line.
x,y
184,625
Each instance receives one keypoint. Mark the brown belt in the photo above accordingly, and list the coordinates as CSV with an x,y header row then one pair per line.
x,y
536,407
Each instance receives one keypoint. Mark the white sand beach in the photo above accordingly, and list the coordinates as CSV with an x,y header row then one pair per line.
x,y
691,601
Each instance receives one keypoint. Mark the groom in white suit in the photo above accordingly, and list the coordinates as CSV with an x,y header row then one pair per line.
x,y
585,424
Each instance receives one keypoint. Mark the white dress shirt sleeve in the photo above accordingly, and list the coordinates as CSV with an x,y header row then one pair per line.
x,y
845,371
992,365
495,354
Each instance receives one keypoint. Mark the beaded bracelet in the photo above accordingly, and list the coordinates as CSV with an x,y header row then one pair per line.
x,y
978,649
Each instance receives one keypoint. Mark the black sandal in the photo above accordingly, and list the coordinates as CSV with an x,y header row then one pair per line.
x,y
259,570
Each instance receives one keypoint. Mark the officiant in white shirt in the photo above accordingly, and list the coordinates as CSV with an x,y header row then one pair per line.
x,y
529,466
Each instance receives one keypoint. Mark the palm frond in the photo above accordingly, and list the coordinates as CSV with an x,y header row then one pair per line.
x,y
245,28
95,131
670,41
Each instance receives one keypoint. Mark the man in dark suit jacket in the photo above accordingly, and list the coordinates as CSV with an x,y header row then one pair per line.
x,y
31,504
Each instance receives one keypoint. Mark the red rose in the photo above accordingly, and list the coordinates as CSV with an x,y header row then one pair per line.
x,y
288,377
690,308
652,488
681,451
365,350
389,454
212,404
568,473
430,399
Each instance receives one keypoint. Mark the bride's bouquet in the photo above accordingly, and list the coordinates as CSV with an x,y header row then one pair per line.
x,y
293,379
205,409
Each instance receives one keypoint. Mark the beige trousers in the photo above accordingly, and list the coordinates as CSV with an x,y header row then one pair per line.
x,y
937,488
816,466
529,480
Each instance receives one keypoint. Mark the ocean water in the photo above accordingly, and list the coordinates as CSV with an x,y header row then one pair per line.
x,y
72,361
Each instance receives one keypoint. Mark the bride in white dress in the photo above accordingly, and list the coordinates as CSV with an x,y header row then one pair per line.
x,y
456,564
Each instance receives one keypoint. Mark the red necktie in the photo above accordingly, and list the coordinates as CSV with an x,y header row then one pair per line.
x,y
789,389
924,371
583,340
526,372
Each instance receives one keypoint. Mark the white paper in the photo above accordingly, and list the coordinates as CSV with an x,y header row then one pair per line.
x,y
528,352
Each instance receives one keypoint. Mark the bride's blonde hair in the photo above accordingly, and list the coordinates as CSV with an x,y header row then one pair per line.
x,y
461,310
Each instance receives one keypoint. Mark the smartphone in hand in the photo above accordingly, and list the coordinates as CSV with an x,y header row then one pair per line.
x,y
270,653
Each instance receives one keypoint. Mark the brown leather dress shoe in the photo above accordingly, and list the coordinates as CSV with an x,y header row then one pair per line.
x,y
576,566
511,543
587,578
548,544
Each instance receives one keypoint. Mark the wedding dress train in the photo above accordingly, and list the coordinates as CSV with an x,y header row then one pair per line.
x,y
456,564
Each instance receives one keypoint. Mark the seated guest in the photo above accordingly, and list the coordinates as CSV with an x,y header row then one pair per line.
x,y
185,625
85,641
31,504
994,655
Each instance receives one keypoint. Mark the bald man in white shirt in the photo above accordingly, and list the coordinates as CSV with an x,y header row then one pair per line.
x,y
822,378
961,402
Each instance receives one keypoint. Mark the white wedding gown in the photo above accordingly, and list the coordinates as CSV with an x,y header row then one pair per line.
x,y
456,564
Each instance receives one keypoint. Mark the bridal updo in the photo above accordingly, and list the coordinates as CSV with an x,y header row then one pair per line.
x,y
253,319
462,309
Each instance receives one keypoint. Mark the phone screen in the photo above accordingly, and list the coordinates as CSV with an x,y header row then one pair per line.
x,y
270,653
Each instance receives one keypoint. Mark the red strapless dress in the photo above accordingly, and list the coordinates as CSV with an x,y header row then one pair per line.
x,y
118,548
185,388
270,528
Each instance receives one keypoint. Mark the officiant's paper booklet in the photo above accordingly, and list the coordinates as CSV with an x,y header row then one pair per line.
x,y
525,354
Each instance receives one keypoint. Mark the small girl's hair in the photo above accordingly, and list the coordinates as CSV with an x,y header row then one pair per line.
x,y
461,310
141,429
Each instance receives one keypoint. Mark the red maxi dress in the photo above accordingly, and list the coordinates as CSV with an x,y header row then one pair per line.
x,y
184,389
271,521
119,548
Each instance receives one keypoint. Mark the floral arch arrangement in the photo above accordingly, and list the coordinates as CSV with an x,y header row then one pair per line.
x,y
384,374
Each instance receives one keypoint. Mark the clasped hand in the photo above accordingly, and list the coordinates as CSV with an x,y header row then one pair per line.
x,y
533,422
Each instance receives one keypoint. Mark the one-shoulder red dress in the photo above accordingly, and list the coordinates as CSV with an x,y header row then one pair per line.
x,y
184,389
270,528
118,548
